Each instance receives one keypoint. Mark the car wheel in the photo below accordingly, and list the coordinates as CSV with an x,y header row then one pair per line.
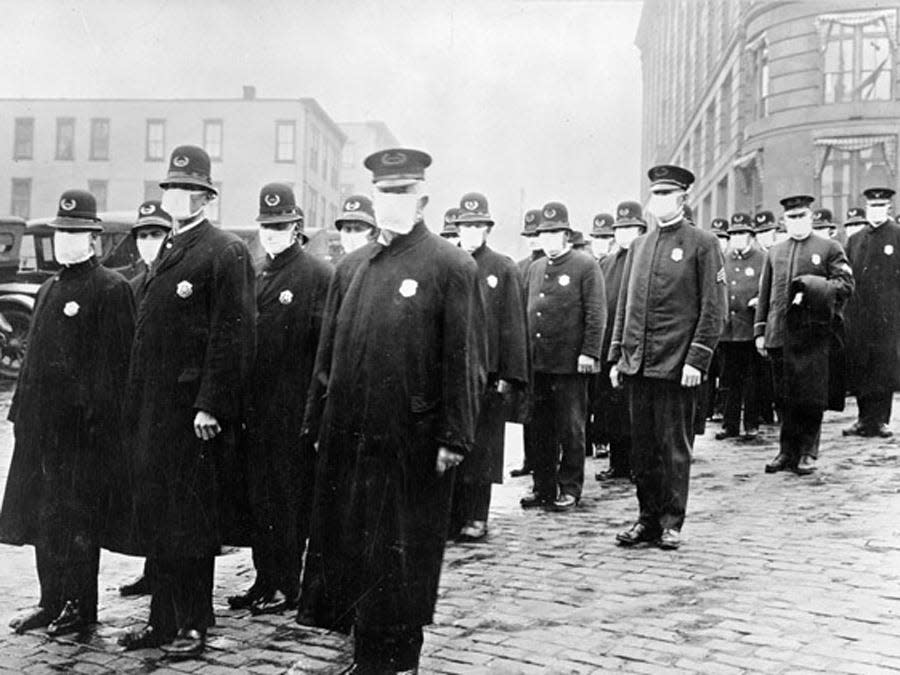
x,y
13,339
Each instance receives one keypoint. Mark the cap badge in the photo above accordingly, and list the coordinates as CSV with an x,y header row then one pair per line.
x,y
272,199
492,281
529,218
409,287
67,204
180,161
147,209
816,259
550,213
662,171
565,280
71,308
760,219
888,249
286,297
677,254
393,158
623,212
184,290
351,205
470,205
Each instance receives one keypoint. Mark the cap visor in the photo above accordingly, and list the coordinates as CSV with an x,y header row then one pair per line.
x,y
190,181
63,223
285,218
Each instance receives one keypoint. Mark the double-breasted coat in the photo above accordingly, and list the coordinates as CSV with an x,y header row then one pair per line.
x,y
402,364
193,347
873,312
742,272
66,476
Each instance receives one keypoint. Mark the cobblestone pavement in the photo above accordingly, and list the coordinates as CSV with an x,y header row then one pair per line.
x,y
777,574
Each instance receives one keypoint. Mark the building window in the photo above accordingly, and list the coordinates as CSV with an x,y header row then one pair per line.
x,y
24,138
696,158
156,140
212,139
285,136
709,149
152,191
99,188
315,139
850,164
858,55
100,139
722,197
335,169
725,114
312,201
214,208
65,138
759,77
20,204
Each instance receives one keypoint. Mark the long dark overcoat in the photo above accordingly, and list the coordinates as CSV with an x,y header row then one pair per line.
x,y
67,471
193,346
402,352
873,313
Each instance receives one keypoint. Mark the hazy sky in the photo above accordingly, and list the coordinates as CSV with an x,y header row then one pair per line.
x,y
539,98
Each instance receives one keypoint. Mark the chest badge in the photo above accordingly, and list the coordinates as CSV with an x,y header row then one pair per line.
x,y
492,281
677,254
749,272
888,249
71,308
409,287
184,289
564,280
286,297
816,259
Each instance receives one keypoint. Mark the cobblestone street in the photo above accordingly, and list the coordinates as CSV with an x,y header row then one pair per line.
x,y
777,574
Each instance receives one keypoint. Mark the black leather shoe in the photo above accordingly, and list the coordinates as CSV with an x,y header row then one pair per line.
x,y
143,638
244,600
37,618
637,534
564,502
805,466
70,620
473,532
726,433
533,501
856,429
139,586
780,463
609,474
274,603
882,431
187,644
670,539
518,473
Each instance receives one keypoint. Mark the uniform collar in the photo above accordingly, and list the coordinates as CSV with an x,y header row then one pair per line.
x,y
188,237
478,252
672,227
560,259
401,242
283,258
537,255
70,271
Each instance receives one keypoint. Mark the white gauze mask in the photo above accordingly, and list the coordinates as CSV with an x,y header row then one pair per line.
x,y
351,241
177,202
70,248
471,238
396,211
275,241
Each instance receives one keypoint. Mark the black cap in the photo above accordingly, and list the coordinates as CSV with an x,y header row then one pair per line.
x,y
629,214
577,239
822,219
77,210
473,208
451,229
398,164
764,221
878,193
151,214
856,216
740,222
554,216
531,221
602,225
796,202
189,166
277,205
356,208
719,227
669,174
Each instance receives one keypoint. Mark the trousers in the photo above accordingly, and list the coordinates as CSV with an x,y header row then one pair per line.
x,y
182,595
875,409
559,418
740,377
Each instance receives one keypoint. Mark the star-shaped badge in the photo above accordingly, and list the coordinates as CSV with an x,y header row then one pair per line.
x,y
71,308
409,287
565,280
286,297
492,281
185,289
677,254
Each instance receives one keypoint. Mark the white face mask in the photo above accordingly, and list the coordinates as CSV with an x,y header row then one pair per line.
x,y
626,235
275,241
453,239
600,246
471,238
853,229
665,206
723,243
766,239
552,243
396,211
351,241
148,248
799,228
740,242
70,248
822,233
780,237
177,202
877,214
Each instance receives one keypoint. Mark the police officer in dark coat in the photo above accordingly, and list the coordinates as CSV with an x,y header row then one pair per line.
x,y
670,313
800,276
192,351
450,231
566,319
602,242
856,222
356,224
66,473
711,392
628,226
507,366
741,362
764,224
873,316
529,233
402,356
290,299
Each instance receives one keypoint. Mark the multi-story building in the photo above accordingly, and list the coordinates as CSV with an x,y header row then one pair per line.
x,y
363,138
762,99
119,150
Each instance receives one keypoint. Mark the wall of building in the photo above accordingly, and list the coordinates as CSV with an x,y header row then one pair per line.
x,y
363,138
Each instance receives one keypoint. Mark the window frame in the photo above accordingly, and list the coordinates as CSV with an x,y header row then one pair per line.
x,y
292,124
92,154
211,124
17,124
28,183
61,123
151,123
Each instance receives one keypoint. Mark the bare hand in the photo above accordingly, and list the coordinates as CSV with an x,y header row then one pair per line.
x,y
446,459
690,376
615,379
761,346
587,364
798,298
502,386
206,427
753,302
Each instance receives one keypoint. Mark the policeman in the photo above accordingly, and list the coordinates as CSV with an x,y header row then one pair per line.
x,y
628,226
66,468
670,314
402,358
566,319
743,265
356,224
804,284
602,240
192,351
781,233
719,227
450,231
290,298
764,222
577,241
507,365
764,229
873,319
602,236
822,225
856,221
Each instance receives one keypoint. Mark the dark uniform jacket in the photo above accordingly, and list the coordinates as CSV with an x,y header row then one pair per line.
x,y
566,311
67,472
672,305
742,273
873,313
193,347
402,354
784,263
612,267
525,263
